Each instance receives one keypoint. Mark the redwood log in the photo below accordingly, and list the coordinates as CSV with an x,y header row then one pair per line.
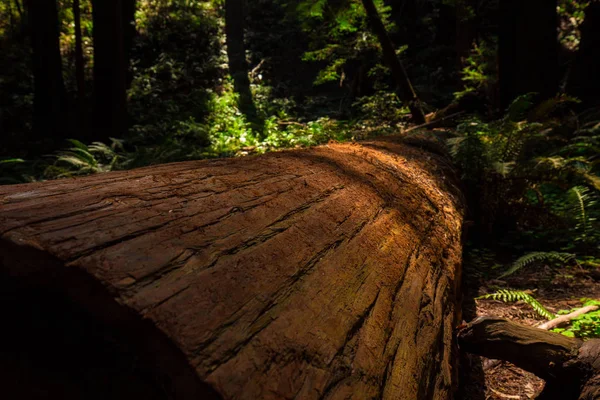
x,y
328,273
570,366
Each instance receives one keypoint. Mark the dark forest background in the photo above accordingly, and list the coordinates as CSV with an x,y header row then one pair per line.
x,y
510,87
165,80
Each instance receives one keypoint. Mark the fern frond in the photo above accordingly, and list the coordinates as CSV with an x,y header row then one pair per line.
x,y
593,180
101,148
504,168
10,161
580,200
535,257
77,143
554,162
507,296
74,161
545,109
83,154
454,145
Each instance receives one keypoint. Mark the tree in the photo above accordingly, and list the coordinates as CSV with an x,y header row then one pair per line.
x,y
465,27
22,16
112,24
11,18
331,272
584,80
404,88
129,32
49,90
236,53
527,49
79,62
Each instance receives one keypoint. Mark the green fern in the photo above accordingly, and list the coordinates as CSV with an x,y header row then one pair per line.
x,y
535,257
504,168
507,296
81,159
579,202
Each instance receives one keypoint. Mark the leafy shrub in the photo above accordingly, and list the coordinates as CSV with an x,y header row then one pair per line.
x,y
586,326
529,164
81,159
479,73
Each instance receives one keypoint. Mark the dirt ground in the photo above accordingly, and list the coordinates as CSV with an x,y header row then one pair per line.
x,y
556,289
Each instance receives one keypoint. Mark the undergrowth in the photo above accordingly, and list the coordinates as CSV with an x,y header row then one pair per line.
x,y
532,182
223,132
585,326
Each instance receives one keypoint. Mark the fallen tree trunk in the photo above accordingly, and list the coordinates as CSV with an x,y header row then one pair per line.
x,y
570,367
326,273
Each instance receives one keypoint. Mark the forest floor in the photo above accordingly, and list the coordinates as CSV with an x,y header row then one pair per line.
x,y
556,289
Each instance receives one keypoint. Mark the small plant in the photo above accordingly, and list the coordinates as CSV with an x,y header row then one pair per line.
x,y
507,296
479,73
580,201
81,159
585,326
537,257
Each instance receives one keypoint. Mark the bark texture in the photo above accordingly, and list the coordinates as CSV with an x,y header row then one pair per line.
x,y
329,273
570,367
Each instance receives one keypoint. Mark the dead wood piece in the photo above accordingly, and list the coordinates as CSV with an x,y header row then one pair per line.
x,y
570,366
555,323
564,319
532,349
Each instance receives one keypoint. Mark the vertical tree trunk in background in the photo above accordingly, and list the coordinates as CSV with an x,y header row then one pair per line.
x,y
110,69
79,72
19,9
446,25
22,18
584,77
129,7
402,13
464,30
527,49
405,90
236,53
11,18
49,88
